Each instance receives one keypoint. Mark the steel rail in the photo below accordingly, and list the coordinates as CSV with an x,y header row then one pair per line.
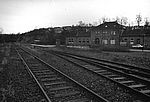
x,y
48,99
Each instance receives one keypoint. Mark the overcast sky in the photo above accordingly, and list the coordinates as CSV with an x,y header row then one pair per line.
x,y
25,15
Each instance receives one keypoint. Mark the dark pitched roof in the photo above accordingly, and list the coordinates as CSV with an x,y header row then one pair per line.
x,y
79,31
136,32
79,34
109,25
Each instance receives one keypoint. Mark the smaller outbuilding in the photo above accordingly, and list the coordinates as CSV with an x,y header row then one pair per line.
x,y
136,36
79,36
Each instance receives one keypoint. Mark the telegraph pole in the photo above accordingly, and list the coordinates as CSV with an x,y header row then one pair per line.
x,y
1,32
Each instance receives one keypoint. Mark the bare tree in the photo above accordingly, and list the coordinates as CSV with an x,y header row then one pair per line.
x,y
100,21
117,19
104,19
90,25
146,22
138,19
81,23
1,30
124,20
95,23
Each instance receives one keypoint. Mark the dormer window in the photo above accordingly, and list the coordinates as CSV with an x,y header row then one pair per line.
x,y
114,32
104,32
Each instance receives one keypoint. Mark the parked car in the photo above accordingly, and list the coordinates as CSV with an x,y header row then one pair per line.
x,y
137,46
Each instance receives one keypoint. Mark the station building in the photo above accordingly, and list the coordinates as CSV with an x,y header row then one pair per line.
x,y
110,35
107,35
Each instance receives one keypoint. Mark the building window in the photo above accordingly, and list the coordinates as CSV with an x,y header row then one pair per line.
x,y
112,42
125,40
87,40
131,41
70,40
138,41
97,32
105,41
97,41
104,32
113,32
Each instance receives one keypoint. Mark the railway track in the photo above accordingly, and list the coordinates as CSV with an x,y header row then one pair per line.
x,y
138,71
133,80
55,85
25,88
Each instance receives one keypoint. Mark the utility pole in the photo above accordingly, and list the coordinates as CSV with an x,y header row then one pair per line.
x,y
1,32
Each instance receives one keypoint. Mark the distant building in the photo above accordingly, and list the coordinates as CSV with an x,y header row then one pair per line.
x,y
107,35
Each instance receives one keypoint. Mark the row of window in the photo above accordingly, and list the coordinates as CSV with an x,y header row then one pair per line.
x,y
70,40
138,41
105,41
83,41
106,32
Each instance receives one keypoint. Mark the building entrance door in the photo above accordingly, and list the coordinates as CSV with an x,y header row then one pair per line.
x,y
97,41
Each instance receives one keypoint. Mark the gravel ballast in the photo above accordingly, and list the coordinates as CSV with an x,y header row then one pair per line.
x,y
100,85
16,84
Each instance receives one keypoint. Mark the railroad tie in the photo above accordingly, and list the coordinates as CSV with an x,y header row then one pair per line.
x,y
91,67
106,73
118,78
80,100
67,94
136,86
54,83
111,75
60,88
145,91
42,71
48,73
51,79
100,71
126,82
48,76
